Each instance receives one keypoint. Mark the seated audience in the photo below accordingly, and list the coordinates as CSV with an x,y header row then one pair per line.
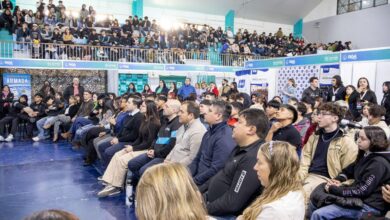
x,y
302,123
162,146
6,99
282,197
375,115
115,173
65,118
189,135
126,135
370,172
12,118
328,151
216,146
235,186
52,110
283,129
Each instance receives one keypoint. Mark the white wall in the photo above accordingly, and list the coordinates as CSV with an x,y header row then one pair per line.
x,y
325,9
214,20
366,28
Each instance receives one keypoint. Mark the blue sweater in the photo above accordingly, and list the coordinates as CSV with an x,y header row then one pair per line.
x,y
186,90
215,148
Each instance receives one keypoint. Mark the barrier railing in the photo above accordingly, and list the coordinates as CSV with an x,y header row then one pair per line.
x,y
33,50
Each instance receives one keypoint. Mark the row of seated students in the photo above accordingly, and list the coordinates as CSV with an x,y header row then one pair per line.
x,y
238,168
238,171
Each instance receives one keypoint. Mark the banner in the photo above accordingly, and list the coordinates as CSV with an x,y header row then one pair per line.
x,y
20,84
243,80
327,72
259,82
125,79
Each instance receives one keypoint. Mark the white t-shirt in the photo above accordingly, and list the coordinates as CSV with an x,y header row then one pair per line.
x,y
290,206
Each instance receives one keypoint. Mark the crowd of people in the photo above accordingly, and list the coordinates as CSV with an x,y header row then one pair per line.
x,y
53,32
201,151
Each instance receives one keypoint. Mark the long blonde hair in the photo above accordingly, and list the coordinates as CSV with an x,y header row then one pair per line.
x,y
283,178
167,192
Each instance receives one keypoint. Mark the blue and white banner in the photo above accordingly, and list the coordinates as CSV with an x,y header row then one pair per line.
x,y
20,84
327,72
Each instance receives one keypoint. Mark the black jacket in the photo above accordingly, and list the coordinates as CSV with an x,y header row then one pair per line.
x,y
308,92
369,96
40,108
130,130
234,187
146,136
370,173
69,91
340,94
9,99
16,108
386,104
73,110
353,99
166,138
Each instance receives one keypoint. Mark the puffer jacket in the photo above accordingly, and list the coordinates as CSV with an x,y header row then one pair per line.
x,y
342,152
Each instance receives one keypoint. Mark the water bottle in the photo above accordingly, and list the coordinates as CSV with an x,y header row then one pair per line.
x,y
129,190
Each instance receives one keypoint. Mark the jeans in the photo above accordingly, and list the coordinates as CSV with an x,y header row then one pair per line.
x,y
82,131
78,123
43,133
335,211
139,164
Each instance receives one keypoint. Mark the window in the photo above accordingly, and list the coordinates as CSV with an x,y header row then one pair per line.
x,y
345,6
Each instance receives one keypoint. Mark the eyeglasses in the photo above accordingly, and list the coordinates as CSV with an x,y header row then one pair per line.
x,y
324,113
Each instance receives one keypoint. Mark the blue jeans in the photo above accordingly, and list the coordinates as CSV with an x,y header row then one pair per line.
x,y
335,211
43,133
78,123
139,164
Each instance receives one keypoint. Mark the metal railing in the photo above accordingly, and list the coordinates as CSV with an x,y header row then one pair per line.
x,y
56,51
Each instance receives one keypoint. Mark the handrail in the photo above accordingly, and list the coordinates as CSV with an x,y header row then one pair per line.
x,y
61,51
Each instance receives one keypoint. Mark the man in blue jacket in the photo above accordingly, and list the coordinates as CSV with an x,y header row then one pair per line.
x,y
216,146
186,90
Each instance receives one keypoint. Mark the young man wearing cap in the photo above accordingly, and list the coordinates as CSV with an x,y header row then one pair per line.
x,y
283,129
328,151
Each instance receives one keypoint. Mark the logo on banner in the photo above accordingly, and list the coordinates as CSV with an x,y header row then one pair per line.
x,y
241,83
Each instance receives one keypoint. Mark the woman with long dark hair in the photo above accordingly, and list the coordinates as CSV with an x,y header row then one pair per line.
x,y
162,88
6,99
337,91
131,89
147,89
352,98
366,94
370,172
114,176
386,100
172,93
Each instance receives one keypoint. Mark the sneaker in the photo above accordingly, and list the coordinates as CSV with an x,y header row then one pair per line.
x,y
9,138
100,178
1,138
35,139
109,191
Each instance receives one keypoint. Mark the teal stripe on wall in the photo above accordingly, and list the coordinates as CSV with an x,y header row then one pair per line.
x,y
229,20
298,28
138,8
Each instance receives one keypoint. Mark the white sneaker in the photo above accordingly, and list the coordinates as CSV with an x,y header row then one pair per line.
x,y
9,138
109,191
35,139
1,138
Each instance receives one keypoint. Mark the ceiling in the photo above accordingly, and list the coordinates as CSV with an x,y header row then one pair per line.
x,y
276,11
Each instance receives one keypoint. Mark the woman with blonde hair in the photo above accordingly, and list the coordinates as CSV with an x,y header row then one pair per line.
x,y
167,192
283,197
